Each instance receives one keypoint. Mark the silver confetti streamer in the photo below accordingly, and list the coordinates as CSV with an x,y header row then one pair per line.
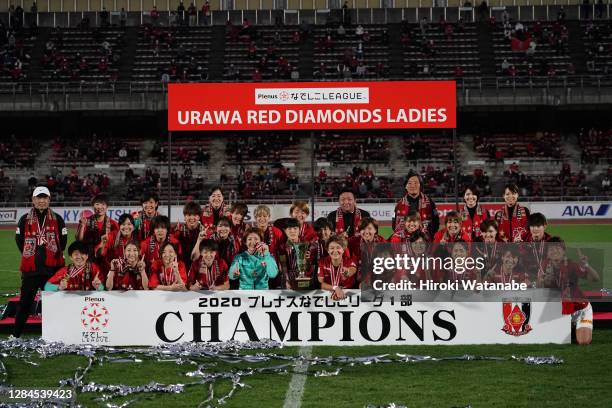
x,y
205,374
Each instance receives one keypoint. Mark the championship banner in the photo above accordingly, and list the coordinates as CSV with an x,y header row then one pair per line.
x,y
293,318
309,105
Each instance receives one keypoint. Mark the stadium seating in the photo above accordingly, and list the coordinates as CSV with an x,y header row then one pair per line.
x,y
82,54
172,51
434,52
270,50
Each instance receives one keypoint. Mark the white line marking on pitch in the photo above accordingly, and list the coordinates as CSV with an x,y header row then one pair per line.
x,y
293,399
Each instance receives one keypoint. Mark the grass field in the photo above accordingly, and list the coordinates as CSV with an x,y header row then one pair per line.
x,y
582,381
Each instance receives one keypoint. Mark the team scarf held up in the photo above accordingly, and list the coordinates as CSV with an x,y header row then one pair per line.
x,y
208,214
340,227
471,226
36,235
519,224
92,233
403,208
167,276
229,250
118,248
79,278
144,229
207,276
154,246
128,275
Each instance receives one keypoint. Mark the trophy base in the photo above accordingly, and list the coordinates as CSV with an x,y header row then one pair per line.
x,y
302,283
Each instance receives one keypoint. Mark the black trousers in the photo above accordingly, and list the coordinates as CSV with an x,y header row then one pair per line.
x,y
29,288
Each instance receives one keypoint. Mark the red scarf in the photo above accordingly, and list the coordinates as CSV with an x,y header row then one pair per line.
x,y
154,247
92,233
166,276
518,230
471,226
207,277
340,227
230,250
145,228
79,278
403,208
36,235
127,277
208,214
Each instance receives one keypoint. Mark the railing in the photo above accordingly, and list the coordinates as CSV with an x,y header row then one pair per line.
x,y
375,12
474,84
87,203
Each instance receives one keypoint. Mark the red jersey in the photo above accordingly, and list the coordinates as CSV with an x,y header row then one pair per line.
x,y
164,275
150,249
127,278
228,248
273,237
565,277
215,275
187,239
513,227
94,229
445,236
335,275
78,278
471,225
113,249
307,233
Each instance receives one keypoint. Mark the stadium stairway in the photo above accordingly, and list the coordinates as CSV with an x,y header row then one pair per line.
x,y
486,54
36,57
396,53
305,64
126,61
217,54
34,322
576,46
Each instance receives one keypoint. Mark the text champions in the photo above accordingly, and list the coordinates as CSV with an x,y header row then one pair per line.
x,y
311,116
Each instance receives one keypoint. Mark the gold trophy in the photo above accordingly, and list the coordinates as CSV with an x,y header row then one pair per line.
x,y
301,252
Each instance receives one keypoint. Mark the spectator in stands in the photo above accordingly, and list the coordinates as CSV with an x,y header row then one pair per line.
x,y
600,8
154,16
104,15
193,14
605,184
206,12
122,17
423,25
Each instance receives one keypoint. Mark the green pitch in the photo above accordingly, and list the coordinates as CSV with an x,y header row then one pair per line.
x,y
583,380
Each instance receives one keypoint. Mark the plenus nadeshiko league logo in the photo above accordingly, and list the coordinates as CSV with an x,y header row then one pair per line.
x,y
94,317
516,317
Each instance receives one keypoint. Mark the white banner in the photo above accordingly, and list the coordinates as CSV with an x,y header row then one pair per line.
x,y
157,317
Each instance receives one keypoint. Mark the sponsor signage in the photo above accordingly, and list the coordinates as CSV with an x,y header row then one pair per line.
x,y
383,212
293,318
329,105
